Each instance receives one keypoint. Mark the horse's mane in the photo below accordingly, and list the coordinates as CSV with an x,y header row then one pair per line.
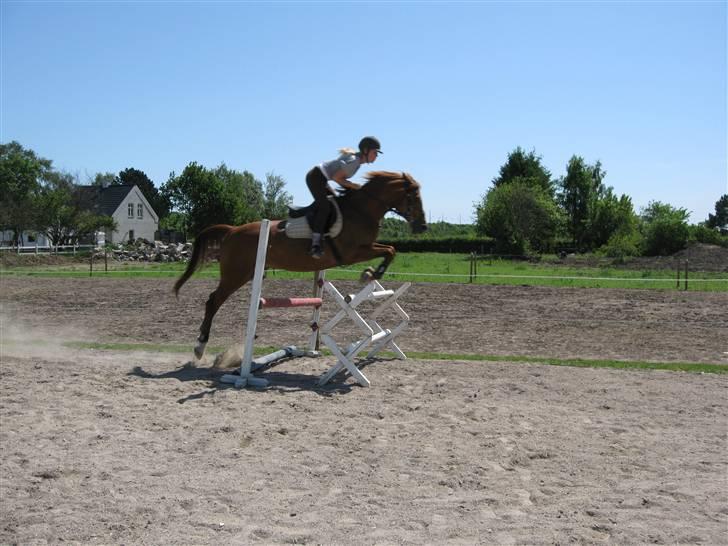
x,y
374,180
381,177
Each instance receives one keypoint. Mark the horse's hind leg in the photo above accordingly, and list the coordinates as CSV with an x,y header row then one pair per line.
x,y
216,299
210,310
237,266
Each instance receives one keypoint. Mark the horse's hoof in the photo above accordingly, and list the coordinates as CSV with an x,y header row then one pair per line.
x,y
200,351
367,275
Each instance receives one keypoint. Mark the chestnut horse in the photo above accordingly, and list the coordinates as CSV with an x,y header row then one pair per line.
x,y
362,211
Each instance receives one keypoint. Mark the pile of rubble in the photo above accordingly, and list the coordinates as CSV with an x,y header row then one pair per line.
x,y
145,251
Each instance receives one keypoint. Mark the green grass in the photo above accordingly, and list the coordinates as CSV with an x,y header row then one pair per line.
x,y
694,367
428,267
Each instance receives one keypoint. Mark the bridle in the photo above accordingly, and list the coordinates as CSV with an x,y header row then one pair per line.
x,y
410,196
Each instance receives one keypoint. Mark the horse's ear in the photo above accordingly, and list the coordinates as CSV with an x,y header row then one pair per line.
x,y
407,180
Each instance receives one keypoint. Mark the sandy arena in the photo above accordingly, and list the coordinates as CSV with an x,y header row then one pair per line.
x,y
132,447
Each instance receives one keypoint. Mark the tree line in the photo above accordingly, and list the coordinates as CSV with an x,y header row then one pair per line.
x,y
36,197
525,210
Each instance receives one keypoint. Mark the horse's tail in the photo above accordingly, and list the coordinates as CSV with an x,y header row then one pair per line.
x,y
212,234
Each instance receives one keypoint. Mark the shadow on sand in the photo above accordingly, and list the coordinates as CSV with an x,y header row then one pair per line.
x,y
282,382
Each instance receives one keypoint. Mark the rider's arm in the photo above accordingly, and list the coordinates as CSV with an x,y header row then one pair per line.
x,y
340,179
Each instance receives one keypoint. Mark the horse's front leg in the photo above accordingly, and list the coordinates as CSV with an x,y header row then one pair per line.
x,y
376,250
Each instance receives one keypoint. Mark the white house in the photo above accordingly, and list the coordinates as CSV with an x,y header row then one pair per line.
x,y
134,216
27,239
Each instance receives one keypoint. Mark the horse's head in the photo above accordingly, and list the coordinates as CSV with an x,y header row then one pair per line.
x,y
410,207
400,193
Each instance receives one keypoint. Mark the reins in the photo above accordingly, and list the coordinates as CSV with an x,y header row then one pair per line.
x,y
408,213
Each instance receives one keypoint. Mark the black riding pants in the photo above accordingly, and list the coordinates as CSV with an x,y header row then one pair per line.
x,y
318,185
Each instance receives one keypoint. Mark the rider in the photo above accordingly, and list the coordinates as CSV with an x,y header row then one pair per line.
x,y
339,170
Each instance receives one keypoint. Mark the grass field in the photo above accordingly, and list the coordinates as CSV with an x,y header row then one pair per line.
x,y
428,267
694,367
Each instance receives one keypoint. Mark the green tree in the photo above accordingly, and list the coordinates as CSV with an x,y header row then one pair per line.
x,y
275,199
56,212
664,228
135,177
610,215
175,221
594,213
720,218
519,216
580,192
574,197
22,174
104,180
196,194
394,228
527,168
87,224
242,193
221,196
63,213
701,233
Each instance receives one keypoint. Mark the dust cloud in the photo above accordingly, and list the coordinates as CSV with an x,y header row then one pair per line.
x,y
20,338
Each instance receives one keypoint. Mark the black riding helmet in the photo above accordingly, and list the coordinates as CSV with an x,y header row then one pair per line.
x,y
370,143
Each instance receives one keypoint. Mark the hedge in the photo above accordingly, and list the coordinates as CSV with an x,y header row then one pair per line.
x,y
459,245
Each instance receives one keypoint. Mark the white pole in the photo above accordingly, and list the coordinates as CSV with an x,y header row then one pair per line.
x,y
255,292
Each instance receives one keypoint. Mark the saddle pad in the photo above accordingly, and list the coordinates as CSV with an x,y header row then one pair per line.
x,y
298,228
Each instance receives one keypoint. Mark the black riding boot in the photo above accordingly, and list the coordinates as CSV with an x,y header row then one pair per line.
x,y
318,228
316,248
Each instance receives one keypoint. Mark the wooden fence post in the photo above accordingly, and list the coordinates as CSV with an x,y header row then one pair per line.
x,y
678,274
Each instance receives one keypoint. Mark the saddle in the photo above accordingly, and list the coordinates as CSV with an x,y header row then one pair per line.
x,y
298,223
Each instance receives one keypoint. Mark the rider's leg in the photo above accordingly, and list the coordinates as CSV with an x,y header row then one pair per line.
x,y
318,185
319,225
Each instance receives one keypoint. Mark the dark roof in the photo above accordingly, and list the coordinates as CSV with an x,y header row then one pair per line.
x,y
111,197
102,200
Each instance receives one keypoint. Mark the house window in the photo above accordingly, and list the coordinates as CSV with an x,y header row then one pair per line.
x,y
131,235
140,211
130,210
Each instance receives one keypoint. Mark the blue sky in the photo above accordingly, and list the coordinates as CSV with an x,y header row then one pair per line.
x,y
450,88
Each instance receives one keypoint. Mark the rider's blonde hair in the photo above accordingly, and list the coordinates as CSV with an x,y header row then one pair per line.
x,y
347,151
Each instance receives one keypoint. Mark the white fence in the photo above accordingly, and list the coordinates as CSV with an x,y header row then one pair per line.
x,y
47,249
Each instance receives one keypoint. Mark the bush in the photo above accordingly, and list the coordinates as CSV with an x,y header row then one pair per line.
x,y
621,246
665,237
520,216
665,229
459,245
704,234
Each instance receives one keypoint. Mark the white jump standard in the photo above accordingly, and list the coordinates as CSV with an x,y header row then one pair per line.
x,y
375,336
248,365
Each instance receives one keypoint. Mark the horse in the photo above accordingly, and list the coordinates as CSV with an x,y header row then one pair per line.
x,y
362,211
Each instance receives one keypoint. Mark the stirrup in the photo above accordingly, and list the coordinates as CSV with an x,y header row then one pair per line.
x,y
316,252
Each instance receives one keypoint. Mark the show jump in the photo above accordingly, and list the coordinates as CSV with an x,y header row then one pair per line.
x,y
374,337
246,251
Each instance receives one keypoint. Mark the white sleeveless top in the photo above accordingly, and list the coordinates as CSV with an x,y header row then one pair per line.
x,y
349,162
